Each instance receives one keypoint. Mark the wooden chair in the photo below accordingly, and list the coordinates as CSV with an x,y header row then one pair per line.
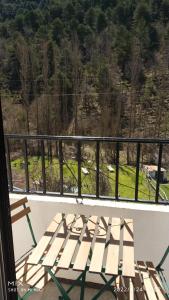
x,y
29,278
149,282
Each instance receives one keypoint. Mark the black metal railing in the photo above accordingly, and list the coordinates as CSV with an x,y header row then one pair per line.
x,y
78,141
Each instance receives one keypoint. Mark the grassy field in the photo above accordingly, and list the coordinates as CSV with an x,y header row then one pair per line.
x,y
70,170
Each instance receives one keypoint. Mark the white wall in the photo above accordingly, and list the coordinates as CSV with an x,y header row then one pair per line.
x,y
151,223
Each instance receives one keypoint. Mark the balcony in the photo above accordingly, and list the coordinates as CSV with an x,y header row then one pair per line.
x,y
151,225
85,181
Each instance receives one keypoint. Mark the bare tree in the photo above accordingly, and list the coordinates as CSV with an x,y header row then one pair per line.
x,y
26,76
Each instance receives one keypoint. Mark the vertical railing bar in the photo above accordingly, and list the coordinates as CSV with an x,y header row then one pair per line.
x,y
137,171
43,166
117,172
61,167
97,168
56,148
79,167
25,152
159,172
9,169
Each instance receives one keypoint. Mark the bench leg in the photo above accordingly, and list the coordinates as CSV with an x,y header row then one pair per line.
x,y
80,280
110,287
108,284
164,283
83,285
59,286
27,295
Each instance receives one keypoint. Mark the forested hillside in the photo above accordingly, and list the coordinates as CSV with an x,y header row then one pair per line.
x,y
92,67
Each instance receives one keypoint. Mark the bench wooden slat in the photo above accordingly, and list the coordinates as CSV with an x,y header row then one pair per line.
x,y
128,249
30,272
84,249
44,279
18,203
112,261
44,241
99,246
21,264
131,290
71,244
53,252
147,281
119,286
58,242
156,281
23,270
139,291
37,276
20,214
127,284
55,222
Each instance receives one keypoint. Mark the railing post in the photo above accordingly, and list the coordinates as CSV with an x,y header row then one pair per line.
x,y
117,172
61,167
137,171
79,167
9,169
159,172
25,153
97,168
43,166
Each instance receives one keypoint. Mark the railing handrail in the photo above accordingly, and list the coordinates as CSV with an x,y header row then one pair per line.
x,y
88,138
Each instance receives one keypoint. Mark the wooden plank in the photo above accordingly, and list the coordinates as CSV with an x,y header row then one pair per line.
x,y
128,249
37,276
18,203
156,281
71,244
128,288
20,214
112,260
44,241
21,264
138,287
147,281
119,289
53,252
99,246
23,270
131,290
44,279
55,222
31,271
84,249
58,241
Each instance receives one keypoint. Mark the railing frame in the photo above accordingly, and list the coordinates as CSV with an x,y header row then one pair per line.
x,y
78,140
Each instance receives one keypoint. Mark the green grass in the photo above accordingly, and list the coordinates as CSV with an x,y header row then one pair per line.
x,y
165,188
70,170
